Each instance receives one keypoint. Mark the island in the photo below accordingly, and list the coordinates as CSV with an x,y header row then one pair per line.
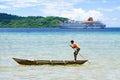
x,y
14,21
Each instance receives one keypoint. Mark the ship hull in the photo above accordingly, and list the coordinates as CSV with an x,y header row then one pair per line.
x,y
95,25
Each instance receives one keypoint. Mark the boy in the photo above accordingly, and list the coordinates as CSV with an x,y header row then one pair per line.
x,y
77,49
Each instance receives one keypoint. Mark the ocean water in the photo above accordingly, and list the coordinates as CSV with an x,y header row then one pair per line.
x,y
101,47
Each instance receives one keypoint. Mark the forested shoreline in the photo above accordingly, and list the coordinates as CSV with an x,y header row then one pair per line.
x,y
14,21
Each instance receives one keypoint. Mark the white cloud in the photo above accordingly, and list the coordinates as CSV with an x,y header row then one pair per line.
x,y
64,8
106,9
104,1
80,14
30,3
3,7
19,3
109,9
112,22
118,7
73,13
4,0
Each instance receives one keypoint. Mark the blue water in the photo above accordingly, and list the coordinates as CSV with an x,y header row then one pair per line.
x,y
56,30
100,46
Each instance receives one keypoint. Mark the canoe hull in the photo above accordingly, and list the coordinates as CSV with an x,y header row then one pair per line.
x,y
50,62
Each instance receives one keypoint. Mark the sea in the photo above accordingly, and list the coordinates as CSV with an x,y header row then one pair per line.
x,y
101,47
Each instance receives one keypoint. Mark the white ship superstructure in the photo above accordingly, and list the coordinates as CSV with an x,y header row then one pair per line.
x,y
86,24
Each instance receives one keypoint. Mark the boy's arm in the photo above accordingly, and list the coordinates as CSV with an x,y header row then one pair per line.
x,y
71,46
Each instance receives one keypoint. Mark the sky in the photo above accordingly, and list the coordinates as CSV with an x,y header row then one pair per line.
x,y
106,11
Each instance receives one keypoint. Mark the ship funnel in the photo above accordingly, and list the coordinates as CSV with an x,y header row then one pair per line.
x,y
90,20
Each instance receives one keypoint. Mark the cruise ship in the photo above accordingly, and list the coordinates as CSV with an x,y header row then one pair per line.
x,y
90,23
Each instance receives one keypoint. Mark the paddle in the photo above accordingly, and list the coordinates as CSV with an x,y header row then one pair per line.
x,y
81,56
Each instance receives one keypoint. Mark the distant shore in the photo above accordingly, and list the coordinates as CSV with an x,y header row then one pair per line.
x,y
14,21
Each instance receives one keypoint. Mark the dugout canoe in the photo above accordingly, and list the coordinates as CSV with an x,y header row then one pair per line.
x,y
50,62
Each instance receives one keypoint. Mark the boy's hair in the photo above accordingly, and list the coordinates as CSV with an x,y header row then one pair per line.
x,y
72,41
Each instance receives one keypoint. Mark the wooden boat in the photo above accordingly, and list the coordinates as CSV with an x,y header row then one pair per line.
x,y
51,62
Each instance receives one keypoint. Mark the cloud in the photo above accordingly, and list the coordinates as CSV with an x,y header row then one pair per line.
x,y
30,3
106,9
67,9
19,3
104,1
112,9
112,22
80,14
63,8
118,7
3,7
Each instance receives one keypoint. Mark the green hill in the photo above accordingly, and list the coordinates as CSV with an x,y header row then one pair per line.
x,y
14,21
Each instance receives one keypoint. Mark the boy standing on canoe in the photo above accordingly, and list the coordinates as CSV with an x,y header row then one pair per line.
x,y
76,47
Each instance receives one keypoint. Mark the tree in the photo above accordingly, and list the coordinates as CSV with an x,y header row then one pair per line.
x,y
13,21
